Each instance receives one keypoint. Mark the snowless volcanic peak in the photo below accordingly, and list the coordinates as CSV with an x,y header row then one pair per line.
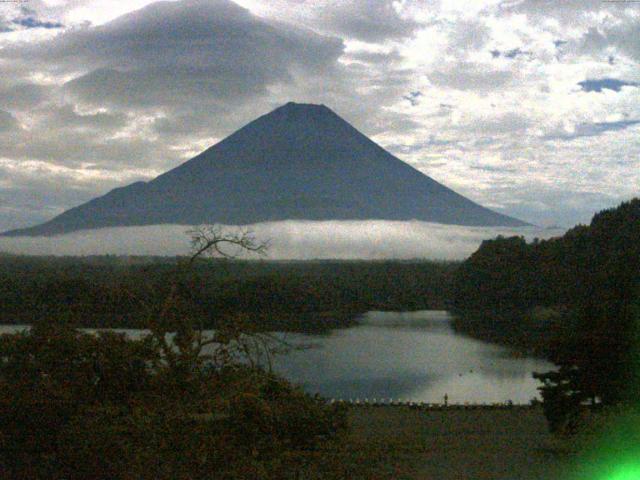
x,y
299,162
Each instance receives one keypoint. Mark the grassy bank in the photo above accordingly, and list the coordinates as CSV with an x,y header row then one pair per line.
x,y
454,444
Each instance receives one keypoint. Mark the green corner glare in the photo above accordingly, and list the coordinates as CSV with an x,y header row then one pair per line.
x,y
627,472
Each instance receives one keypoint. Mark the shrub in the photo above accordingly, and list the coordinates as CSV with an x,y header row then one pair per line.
x,y
78,405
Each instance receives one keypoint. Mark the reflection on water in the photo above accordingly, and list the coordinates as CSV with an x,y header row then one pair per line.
x,y
414,356
411,356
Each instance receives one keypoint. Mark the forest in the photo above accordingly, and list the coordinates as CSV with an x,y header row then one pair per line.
x,y
574,299
110,291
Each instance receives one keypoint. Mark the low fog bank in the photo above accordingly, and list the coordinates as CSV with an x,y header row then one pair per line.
x,y
295,240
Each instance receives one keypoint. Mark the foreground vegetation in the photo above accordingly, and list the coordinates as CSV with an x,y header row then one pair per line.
x,y
79,406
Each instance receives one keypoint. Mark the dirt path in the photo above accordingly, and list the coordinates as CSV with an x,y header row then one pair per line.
x,y
495,444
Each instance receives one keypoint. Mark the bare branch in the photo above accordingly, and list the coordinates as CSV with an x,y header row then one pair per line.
x,y
210,239
232,340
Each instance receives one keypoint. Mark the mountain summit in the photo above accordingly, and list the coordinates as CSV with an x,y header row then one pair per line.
x,y
298,162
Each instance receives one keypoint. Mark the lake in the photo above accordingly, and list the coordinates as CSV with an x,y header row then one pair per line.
x,y
408,356
412,356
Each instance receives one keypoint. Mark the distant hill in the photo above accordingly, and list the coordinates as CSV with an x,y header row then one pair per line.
x,y
298,162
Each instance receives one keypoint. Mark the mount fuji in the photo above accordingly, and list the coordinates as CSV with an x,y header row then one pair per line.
x,y
298,162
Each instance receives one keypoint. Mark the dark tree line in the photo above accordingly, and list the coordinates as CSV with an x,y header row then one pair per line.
x,y
301,296
575,298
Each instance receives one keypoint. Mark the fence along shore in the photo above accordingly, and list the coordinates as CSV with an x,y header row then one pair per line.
x,y
390,402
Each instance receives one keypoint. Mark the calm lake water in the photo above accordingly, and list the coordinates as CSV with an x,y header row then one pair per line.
x,y
412,356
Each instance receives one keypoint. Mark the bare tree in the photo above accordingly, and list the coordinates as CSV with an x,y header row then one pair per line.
x,y
211,240
183,340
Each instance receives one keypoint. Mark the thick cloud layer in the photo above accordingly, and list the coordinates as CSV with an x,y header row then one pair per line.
x,y
183,54
286,240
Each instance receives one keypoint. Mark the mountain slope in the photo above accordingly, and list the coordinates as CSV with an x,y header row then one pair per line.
x,y
300,161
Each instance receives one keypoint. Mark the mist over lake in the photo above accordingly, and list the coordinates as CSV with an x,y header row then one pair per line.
x,y
299,240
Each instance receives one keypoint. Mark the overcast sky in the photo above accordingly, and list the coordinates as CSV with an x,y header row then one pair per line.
x,y
528,107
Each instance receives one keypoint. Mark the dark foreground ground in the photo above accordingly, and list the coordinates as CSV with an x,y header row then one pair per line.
x,y
404,443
